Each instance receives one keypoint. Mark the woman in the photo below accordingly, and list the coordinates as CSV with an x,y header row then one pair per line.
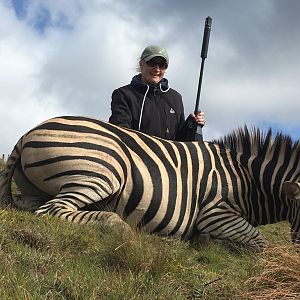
x,y
148,104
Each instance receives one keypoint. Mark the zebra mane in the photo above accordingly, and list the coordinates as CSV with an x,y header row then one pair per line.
x,y
259,142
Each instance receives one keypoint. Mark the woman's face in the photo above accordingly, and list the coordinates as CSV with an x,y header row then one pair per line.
x,y
153,70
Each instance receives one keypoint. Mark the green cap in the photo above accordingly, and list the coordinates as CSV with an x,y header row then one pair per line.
x,y
153,51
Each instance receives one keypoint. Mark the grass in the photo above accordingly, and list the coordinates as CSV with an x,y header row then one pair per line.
x,y
279,278
47,258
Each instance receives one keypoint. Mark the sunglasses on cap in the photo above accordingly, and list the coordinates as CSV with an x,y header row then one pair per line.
x,y
161,63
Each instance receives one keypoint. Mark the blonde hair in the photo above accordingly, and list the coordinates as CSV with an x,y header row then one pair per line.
x,y
138,66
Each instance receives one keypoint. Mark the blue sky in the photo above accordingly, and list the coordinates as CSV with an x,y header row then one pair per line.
x,y
40,19
20,7
64,57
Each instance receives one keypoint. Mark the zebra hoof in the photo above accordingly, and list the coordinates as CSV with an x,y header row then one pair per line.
x,y
200,238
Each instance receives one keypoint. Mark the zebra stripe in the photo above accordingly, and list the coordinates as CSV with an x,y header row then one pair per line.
x,y
86,171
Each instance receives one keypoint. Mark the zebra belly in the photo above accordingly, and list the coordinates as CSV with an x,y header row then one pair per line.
x,y
157,216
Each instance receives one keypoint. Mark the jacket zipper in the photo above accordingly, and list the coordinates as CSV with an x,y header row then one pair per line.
x,y
167,131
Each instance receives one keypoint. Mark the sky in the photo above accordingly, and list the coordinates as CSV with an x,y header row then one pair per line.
x,y
65,57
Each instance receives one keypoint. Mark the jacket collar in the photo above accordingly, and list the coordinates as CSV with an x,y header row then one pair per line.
x,y
137,81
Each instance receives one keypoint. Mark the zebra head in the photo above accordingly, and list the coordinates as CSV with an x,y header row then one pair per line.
x,y
292,190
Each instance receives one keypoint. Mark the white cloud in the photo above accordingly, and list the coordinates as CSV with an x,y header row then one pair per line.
x,y
89,48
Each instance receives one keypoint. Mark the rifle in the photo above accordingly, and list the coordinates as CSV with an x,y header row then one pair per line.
x,y
194,131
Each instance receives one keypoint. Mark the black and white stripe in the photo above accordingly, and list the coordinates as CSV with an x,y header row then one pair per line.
x,y
86,170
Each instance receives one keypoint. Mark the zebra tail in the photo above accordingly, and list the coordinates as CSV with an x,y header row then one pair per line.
x,y
6,175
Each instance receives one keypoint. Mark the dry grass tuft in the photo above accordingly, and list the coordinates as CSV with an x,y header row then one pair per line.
x,y
280,276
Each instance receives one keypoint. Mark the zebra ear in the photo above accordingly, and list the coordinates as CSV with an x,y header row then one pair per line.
x,y
292,189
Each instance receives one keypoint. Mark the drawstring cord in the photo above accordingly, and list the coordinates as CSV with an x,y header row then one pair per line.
x,y
142,108
164,91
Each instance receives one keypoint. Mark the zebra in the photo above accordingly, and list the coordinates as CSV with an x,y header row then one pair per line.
x,y
88,171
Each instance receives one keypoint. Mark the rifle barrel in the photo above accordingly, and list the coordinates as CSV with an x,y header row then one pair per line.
x,y
205,42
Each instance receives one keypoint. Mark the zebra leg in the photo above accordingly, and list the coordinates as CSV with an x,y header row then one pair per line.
x,y
25,186
200,238
27,202
72,202
31,198
232,228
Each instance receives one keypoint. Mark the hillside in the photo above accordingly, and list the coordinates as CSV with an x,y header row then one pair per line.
x,y
47,258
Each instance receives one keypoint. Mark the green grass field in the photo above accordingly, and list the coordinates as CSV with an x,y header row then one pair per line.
x,y
48,258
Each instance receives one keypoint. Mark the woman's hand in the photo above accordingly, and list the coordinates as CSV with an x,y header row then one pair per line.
x,y
199,118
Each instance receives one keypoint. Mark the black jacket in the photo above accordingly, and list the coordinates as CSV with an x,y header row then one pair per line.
x,y
161,108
